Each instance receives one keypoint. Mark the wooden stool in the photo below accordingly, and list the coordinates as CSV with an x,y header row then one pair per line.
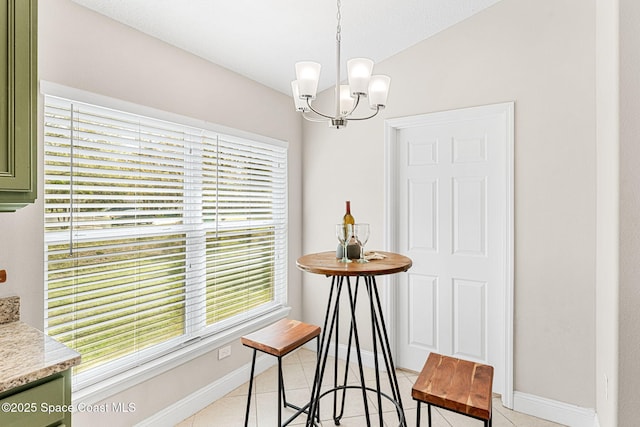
x,y
278,340
454,384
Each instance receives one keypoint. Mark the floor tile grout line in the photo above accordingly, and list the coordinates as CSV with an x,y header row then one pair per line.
x,y
299,363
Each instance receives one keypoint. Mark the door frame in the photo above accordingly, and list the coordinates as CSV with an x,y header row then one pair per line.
x,y
390,288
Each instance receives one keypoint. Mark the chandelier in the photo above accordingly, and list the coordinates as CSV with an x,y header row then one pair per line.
x,y
347,97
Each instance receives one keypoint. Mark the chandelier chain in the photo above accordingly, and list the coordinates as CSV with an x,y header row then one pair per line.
x,y
339,28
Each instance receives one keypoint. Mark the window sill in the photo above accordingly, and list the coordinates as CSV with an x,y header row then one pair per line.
x,y
112,386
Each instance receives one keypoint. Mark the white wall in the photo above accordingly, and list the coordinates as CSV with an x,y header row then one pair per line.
x,y
540,55
84,50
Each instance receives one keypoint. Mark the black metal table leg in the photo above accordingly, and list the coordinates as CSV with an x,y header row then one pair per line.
x,y
375,347
326,264
323,348
386,350
338,417
354,326
380,341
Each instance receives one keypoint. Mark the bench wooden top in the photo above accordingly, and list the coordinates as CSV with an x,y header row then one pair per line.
x,y
281,337
459,385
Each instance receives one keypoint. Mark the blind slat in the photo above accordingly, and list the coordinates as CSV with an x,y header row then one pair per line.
x,y
155,232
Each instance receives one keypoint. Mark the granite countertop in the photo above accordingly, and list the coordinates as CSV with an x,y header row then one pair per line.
x,y
27,354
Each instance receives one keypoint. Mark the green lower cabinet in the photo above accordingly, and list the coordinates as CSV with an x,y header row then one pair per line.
x,y
18,103
43,403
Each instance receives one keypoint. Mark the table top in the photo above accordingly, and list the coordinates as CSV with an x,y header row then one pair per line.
x,y
326,263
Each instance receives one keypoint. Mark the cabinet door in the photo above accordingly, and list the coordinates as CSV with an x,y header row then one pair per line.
x,y
18,102
38,406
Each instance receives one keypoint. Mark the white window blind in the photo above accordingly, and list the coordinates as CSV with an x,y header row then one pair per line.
x,y
156,233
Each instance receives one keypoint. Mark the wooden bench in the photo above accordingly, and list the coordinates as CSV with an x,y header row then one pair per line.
x,y
455,384
279,339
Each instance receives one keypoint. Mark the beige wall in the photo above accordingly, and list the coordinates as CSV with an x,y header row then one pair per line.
x,y
618,241
540,55
629,250
84,50
606,375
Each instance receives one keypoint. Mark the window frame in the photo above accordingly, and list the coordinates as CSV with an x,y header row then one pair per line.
x,y
191,347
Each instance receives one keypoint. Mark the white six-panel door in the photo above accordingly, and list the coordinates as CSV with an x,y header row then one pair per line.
x,y
452,219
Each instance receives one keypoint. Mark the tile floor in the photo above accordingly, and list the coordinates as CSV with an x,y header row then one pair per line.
x,y
299,369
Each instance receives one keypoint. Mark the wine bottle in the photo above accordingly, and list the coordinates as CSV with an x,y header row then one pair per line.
x,y
353,248
348,218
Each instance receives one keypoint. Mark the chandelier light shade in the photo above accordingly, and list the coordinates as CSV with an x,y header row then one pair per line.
x,y
347,97
359,73
301,104
378,91
346,100
307,75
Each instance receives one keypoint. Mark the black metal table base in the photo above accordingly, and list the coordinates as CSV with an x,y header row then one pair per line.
x,y
380,342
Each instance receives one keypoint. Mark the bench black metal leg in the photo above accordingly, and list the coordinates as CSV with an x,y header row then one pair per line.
x,y
306,408
282,397
418,413
280,391
253,367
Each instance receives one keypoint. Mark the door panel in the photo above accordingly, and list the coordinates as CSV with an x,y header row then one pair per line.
x,y
469,308
423,324
469,216
452,192
423,215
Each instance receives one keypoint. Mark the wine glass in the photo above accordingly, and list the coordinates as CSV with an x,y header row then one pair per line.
x,y
344,233
361,233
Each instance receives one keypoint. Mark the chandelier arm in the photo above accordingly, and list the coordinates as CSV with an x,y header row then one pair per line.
x,y
312,119
368,117
317,112
355,105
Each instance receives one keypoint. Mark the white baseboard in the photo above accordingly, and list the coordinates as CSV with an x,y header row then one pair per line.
x,y
552,410
596,421
204,397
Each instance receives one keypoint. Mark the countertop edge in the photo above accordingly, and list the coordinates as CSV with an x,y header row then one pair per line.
x,y
41,357
38,374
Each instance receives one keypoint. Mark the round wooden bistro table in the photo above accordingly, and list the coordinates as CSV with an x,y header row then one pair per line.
x,y
327,264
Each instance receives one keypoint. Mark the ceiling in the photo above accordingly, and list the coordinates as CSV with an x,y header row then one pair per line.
x,y
263,39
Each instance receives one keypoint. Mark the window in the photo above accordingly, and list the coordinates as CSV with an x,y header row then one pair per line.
x,y
156,233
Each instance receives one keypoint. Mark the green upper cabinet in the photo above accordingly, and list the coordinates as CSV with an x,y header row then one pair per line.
x,y
18,103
